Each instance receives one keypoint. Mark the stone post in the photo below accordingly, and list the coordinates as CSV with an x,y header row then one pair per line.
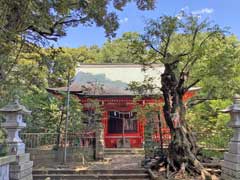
x,y
100,142
231,164
13,113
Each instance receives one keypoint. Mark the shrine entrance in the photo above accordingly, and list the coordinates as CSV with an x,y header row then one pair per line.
x,y
123,130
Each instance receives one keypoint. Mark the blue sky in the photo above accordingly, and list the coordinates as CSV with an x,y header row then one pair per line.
x,y
226,13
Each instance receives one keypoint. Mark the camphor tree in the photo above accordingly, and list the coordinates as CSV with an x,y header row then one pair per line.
x,y
49,19
29,24
179,43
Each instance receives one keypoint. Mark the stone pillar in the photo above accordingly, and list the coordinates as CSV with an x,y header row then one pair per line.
x,y
231,164
21,169
100,142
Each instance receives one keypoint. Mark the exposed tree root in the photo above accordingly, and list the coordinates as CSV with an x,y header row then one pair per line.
x,y
181,160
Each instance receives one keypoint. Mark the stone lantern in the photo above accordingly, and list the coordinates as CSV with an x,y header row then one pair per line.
x,y
13,115
231,164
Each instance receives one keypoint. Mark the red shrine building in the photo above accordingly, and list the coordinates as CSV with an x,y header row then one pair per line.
x,y
108,84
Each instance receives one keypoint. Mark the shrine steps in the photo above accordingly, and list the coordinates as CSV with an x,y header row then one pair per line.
x,y
123,151
68,174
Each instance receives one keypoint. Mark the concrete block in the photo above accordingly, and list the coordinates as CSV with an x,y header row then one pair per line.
x,y
235,158
231,172
7,159
231,165
30,177
20,174
21,167
23,157
236,136
227,177
234,147
4,172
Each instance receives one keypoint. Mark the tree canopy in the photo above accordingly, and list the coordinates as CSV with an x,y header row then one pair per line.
x,y
192,51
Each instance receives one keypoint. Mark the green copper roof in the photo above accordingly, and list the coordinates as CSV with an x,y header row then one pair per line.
x,y
113,79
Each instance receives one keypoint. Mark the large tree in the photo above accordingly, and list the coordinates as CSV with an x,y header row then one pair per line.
x,y
49,19
28,24
182,44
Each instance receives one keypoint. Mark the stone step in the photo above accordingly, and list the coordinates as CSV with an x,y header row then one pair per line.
x,y
123,153
124,149
90,176
97,171
71,174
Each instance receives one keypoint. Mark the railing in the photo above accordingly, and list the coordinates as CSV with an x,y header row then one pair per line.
x,y
218,142
51,140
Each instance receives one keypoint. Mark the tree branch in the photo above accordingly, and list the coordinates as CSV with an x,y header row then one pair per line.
x,y
167,44
52,34
191,85
15,60
155,49
208,37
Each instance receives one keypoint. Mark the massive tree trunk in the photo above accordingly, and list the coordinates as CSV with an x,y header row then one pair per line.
x,y
182,153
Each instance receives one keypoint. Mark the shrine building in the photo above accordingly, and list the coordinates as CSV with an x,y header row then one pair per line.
x,y
108,84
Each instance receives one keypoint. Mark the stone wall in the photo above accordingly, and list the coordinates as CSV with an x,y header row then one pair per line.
x,y
4,166
43,157
4,172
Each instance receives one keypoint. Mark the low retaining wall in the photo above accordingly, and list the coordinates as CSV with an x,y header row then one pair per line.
x,y
4,166
74,154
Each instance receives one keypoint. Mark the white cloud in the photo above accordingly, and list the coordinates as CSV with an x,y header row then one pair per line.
x,y
203,11
124,20
197,13
182,11
186,8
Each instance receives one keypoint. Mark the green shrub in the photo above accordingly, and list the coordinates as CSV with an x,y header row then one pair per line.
x,y
3,149
212,153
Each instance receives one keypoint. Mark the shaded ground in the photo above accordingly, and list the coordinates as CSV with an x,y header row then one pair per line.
x,y
119,162
110,162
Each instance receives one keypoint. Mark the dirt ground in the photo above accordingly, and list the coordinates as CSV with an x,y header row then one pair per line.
x,y
110,162
119,162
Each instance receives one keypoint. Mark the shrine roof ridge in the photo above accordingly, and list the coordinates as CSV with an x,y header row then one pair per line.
x,y
117,65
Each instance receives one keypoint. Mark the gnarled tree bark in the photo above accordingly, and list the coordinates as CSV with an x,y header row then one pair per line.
x,y
182,152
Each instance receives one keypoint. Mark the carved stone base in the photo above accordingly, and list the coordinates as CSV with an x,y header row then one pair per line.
x,y
22,168
228,174
231,166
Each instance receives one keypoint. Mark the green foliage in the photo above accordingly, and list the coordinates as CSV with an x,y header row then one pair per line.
x,y
208,116
195,53
122,50
148,134
93,116
31,72
210,124
212,153
3,149
36,20
3,145
27,69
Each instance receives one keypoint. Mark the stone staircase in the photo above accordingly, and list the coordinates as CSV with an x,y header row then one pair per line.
x,y
123,151
70,174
